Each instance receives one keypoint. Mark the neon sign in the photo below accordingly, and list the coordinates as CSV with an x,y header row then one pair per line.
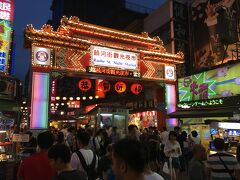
x,y
5,43
40,100
7,10
114,72
213,102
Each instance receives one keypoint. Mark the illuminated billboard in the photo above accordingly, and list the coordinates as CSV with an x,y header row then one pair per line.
x,y
217,83
214,26
7,10
107,57
5,44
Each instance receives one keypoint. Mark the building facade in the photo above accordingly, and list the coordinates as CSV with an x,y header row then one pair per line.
x,y
115,14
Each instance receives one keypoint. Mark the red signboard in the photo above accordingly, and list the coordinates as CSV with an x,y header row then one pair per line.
x,y
7,10
114,72
73,104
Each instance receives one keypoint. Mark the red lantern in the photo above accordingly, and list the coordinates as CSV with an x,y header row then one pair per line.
x,y
84,84
136,88
120,87
105,85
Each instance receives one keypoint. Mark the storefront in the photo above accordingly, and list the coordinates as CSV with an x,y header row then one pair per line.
x,y
9,121
82,65
208,99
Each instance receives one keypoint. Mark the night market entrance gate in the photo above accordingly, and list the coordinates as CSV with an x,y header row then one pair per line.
x,y
93,51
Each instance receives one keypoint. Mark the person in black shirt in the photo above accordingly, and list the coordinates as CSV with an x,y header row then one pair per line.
x,y
180,138
105,165
59,156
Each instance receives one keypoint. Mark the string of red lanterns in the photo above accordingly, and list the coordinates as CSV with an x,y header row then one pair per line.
x,y
120,87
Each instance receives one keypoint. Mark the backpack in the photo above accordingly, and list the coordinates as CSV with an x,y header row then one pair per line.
x,y
90,169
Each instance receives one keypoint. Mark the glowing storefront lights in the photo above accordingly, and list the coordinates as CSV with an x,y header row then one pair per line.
x,y
171,103
40,100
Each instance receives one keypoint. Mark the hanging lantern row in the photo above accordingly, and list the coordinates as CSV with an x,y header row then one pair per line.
x,y
120,87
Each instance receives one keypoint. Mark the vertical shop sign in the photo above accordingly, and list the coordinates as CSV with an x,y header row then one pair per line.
x,y
5,44
180,23
7,10
215,21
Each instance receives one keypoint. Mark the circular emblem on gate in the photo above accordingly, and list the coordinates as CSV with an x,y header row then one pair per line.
x,y
169,72
42,56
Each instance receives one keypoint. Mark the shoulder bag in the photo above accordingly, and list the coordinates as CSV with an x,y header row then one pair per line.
x,y
232,177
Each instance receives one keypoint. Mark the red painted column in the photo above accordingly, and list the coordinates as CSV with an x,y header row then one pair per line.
x,y
161,115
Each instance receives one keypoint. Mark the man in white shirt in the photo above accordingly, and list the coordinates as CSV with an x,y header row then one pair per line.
x,y
87,154
164,136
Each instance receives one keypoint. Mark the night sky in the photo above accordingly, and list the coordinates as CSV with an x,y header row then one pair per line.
x,y
37,12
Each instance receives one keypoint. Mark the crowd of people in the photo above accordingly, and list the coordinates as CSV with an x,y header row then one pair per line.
x,y
71,154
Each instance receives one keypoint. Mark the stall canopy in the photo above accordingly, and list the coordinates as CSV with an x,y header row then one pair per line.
x,y
224,112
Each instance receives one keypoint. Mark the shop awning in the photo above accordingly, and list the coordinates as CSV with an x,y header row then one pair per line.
x,y
228,112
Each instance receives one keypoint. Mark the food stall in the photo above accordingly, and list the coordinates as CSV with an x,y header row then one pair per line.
x,y
9,123
229,131
143,119
104,116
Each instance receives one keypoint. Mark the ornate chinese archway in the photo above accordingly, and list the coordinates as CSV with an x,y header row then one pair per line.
x,y
78,47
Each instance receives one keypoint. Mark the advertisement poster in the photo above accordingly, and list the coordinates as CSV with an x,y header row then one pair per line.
x,y
215,21
217,83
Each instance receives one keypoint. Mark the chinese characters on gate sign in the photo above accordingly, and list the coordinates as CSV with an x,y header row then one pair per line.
x,y
107,57
6,10
200,90
114,72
